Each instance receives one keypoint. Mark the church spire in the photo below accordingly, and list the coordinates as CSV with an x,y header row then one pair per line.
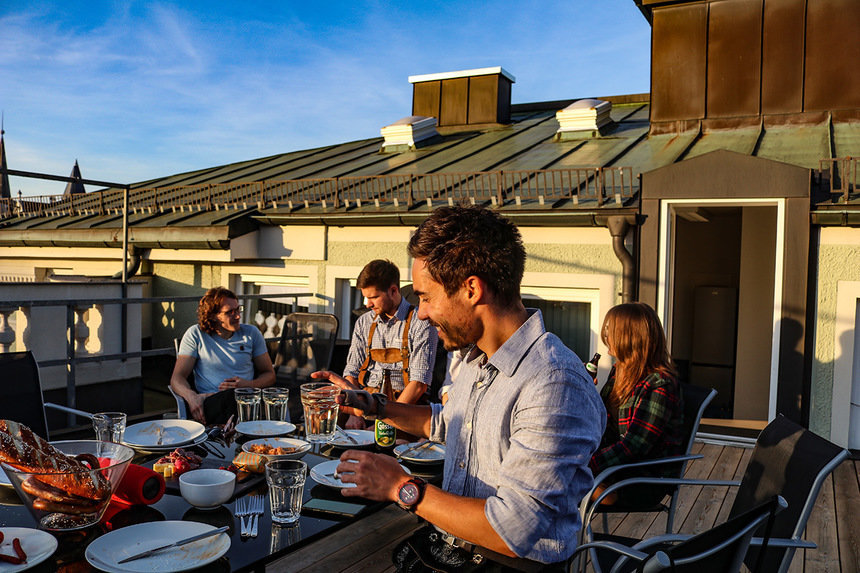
x,y
75,187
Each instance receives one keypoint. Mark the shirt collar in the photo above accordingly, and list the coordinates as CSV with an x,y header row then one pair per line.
x,y
509,355
400,314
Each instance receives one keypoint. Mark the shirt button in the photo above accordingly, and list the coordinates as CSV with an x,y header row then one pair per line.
x,y
461,465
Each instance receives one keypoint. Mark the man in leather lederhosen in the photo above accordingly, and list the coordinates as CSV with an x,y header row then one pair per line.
x,y
390,337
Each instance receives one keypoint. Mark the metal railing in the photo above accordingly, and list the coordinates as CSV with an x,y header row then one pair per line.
x,y
73,358
841,175
549,186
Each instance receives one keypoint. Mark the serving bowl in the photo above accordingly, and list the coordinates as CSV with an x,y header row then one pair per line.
x,y
65,501
207,488
294,448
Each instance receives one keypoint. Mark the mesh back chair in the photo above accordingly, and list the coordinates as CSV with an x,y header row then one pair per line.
x,y
649,491
718,550
793,463
21,397
181,406
306,345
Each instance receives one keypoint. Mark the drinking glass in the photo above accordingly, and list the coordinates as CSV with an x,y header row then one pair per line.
x,y
320,407
247,403
275,399
109,426
284,536
286,480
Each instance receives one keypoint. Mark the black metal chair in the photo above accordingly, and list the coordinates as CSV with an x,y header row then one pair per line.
x,y
21,396
718,550
789,461
306,345
650,492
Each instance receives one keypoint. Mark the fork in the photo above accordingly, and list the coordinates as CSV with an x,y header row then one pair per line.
x,y
241,511
256,511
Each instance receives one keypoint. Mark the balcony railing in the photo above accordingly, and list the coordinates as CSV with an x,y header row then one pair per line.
x,y
81,349
599,184
841,175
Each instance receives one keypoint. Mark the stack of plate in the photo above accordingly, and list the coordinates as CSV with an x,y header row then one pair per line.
x,y
164,435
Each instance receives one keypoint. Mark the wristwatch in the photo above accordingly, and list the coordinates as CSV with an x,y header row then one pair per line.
x,y
410,493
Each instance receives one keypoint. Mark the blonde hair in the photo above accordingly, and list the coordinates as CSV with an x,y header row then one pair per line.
x,y
634,335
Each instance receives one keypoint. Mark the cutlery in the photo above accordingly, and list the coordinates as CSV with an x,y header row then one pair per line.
x,y
241,512
345,434
174,544
256,511
414,449
160,435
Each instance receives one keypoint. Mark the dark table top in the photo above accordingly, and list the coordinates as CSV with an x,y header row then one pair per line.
x,y
245,554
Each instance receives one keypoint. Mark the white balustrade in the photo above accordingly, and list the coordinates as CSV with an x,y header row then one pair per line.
x,y
82,331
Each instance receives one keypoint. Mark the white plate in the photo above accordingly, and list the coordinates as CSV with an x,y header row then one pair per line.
x,y
4,479
363,437
176,433
105,551
162,449
38,545
303,447
322,474
430,454
265,428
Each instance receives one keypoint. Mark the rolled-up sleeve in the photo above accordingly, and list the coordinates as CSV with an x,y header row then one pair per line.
x,y
544,475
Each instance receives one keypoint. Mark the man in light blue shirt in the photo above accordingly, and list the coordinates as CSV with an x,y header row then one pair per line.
x,y
223,354
522,418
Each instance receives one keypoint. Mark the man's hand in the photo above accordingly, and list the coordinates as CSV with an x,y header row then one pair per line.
x,y
355,423
376,476
338,381
233,382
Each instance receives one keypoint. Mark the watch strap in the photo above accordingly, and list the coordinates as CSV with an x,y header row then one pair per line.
x,y
421,484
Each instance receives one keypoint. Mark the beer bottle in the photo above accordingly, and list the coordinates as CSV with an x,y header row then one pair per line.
x,y
385,434
591,366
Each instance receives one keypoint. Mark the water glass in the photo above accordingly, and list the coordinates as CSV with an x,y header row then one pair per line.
x,y
275,400
286,480
284,535
247,403
320,408
109,426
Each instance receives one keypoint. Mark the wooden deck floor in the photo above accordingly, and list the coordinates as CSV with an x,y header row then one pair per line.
x,y
834,524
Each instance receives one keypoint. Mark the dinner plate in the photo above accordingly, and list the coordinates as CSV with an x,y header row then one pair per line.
x,y
301,447
265,428
162,449
175,433
322,474
38,545
105,551
433,453
362,437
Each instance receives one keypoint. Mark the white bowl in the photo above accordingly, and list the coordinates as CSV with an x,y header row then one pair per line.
x,y
208,488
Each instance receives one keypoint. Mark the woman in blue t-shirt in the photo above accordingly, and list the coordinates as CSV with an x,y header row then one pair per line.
x,y
223,354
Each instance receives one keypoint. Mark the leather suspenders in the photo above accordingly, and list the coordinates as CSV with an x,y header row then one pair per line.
x,y
388,355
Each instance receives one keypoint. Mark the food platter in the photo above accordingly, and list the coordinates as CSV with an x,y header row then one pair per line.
x,y
300,448
265,428
163,434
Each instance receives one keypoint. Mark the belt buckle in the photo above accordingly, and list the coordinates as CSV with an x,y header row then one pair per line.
x,y
456,542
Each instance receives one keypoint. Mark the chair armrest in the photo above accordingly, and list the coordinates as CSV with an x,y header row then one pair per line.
x,y
601,477
782,542
80,413
619,548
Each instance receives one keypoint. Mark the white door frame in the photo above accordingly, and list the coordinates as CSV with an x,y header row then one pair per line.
x,y
847,298
666,265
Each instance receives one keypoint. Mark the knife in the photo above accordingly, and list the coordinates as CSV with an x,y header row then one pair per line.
x,y
174,544
414,449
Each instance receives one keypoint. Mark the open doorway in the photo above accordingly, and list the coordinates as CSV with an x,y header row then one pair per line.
x,y
722,304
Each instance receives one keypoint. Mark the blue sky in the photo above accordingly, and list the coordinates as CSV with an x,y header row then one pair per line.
x,y
137,90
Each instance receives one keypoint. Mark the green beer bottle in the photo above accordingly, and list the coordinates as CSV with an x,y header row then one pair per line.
x,y
385,434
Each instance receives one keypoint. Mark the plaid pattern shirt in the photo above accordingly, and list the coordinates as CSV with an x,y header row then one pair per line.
x,y
649,424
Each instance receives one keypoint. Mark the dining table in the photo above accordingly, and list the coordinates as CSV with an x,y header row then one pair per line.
x,y
273,541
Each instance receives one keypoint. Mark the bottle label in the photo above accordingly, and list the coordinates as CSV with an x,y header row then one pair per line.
x,y
384,434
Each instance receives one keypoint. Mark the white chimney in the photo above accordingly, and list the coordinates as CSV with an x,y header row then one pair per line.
x,y
584,115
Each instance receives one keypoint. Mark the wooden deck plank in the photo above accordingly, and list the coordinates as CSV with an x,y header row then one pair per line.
x,y
821,529
845,477
697,469
731,492
706,508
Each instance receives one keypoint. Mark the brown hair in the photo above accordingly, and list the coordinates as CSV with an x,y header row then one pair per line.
x,y
635,336
459,242
210,306
379,273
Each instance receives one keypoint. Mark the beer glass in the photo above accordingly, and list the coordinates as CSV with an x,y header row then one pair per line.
x,y
247,403
320,408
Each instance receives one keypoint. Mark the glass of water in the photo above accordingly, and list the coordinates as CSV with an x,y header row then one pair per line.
x,y
109,426
319,401
286,480
275,400
247,403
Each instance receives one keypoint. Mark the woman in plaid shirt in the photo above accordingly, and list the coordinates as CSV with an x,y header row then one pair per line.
x,y
642,396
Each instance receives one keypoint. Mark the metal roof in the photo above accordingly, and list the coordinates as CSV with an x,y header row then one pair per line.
x,y
524,169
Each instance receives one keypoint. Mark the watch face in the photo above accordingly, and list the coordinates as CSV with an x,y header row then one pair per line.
x,y
408,493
